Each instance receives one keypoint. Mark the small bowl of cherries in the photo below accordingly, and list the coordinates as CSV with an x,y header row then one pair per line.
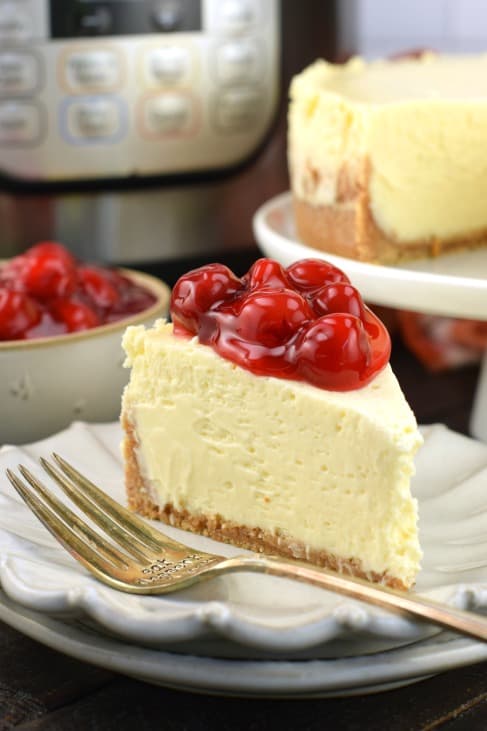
x,y
61,326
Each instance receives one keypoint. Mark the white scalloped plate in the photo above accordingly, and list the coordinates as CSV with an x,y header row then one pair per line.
x,y
247,615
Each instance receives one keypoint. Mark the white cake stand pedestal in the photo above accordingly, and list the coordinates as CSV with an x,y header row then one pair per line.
x,y
453,286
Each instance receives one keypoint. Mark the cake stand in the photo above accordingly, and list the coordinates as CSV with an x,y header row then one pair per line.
x,y
452,286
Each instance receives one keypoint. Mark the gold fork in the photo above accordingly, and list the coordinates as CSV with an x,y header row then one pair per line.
x,y
141,560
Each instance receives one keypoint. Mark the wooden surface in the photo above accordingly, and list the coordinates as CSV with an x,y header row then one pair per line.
x,y
41,689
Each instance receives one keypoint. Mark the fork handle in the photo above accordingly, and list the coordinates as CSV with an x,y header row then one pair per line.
x,y
405,603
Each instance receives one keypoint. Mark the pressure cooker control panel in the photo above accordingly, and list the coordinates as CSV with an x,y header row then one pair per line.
x,y
118,88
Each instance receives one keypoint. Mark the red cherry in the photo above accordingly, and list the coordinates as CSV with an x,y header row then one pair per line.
x,y
122,282
267,273
338,297
51,248
48,271
333,352
308,275
379,339
75,315
115,294
11,273
201,290
18,313
132,300
271,317
97,285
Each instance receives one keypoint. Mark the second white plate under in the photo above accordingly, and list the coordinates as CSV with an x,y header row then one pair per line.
x,y
276,678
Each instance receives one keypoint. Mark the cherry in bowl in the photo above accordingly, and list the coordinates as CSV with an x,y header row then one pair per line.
x,y
46,291
61,358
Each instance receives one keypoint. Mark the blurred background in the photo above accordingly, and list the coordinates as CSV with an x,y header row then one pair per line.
x,y
151,130
148,132
142,131
381,28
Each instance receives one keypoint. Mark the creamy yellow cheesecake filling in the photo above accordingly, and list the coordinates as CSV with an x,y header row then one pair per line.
x,y
413,132
330,470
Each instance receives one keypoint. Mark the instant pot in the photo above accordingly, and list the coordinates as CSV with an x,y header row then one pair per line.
x,y
142,130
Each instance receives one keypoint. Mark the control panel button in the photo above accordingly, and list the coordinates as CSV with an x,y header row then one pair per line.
x,y
90,119
20,123
93,69
167,15
168,64
168,113
95,21
19,73
15,23
236,15
237,61
236,109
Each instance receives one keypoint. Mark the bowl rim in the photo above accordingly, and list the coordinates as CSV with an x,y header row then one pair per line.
x,y
155,285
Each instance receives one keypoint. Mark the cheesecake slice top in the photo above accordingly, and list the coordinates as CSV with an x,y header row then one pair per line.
x,y
428,76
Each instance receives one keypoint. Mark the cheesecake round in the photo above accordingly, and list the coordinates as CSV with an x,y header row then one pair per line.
x,y
387,159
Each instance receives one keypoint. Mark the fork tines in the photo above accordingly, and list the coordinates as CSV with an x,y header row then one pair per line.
x,y
134,538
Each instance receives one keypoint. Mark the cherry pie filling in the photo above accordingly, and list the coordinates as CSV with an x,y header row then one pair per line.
x,y
305,322
46,291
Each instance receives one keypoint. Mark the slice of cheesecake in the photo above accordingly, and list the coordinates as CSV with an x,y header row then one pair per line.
x,y
271,463
387,159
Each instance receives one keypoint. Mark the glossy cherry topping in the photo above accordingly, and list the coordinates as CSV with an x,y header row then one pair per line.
x,y
46,291
306,322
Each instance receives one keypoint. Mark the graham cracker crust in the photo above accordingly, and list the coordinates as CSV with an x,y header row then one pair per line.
x,y
216,527
348,229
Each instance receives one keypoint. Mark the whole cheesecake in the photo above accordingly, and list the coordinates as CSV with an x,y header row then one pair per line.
x,y
268,416
388,159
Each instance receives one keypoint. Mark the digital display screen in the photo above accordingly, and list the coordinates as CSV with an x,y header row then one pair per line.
x,y
88,18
